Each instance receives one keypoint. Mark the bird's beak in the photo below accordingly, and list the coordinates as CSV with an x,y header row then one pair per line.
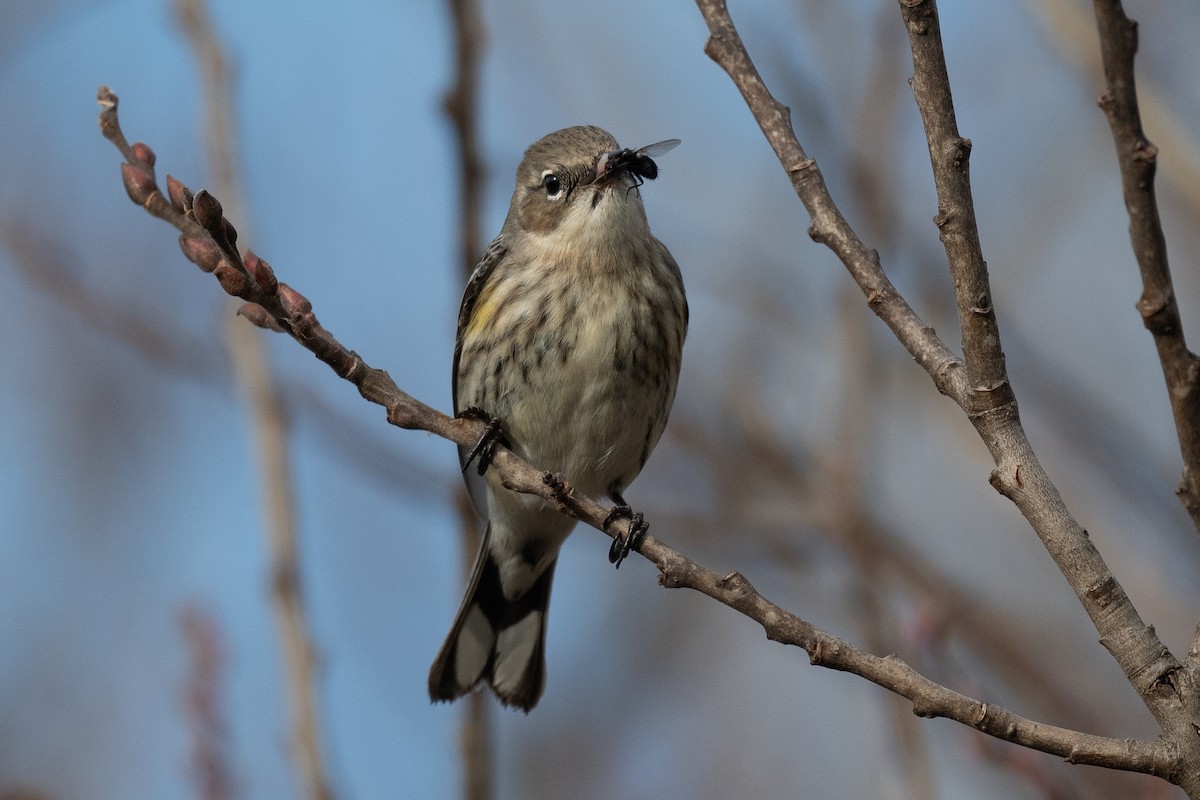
x,y
603,167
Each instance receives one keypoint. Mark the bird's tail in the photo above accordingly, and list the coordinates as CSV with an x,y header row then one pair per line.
x,y
495,640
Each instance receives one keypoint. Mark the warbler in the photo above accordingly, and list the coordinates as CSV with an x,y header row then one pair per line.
x,y
570,336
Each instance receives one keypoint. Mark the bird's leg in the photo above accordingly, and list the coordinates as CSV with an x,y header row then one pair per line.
x,y
638,526
485,448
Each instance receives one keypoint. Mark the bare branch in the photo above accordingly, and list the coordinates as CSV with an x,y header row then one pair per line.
x,y
991,404
949,154
755,451
270,302
828,226
984,393
1138,159
929,699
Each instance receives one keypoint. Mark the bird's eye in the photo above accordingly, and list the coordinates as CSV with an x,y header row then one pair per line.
x,y
552,183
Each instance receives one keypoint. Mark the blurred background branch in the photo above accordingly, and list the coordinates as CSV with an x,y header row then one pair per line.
x,y
252,369
204,700
461,105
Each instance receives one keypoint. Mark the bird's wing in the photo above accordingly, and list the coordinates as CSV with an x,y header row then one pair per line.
x,y
479,277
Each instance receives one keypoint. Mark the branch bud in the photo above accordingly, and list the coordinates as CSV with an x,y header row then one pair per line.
x,y
262,272
180,196
207,211
144,153
294,303
299,311
232,281
260,317
139,184
204,253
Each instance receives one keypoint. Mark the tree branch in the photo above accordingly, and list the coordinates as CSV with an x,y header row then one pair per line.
x,y
1138,160
829,227
983,392
991,404
929,699
209,241
950,155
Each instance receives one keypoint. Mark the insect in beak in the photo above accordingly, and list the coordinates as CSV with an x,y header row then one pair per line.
x,y
640,163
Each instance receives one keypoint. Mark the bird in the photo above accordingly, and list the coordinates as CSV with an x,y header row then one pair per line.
x,y
570,340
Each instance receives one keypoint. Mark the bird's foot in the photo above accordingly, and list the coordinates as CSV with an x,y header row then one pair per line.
x,y
485,448
623,544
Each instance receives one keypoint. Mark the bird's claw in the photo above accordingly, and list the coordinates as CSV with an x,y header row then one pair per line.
x,y
622,545
485,448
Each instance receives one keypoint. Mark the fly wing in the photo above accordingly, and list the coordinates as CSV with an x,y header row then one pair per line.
x,y
658,148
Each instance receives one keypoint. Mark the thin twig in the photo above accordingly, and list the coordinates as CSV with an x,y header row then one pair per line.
x,y
1138,160
275,305
949,154
270,425
757,454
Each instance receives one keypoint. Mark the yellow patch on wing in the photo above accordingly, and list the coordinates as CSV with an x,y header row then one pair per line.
x,y
481,314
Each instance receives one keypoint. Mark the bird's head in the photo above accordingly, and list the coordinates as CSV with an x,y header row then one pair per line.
x,y
577,181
